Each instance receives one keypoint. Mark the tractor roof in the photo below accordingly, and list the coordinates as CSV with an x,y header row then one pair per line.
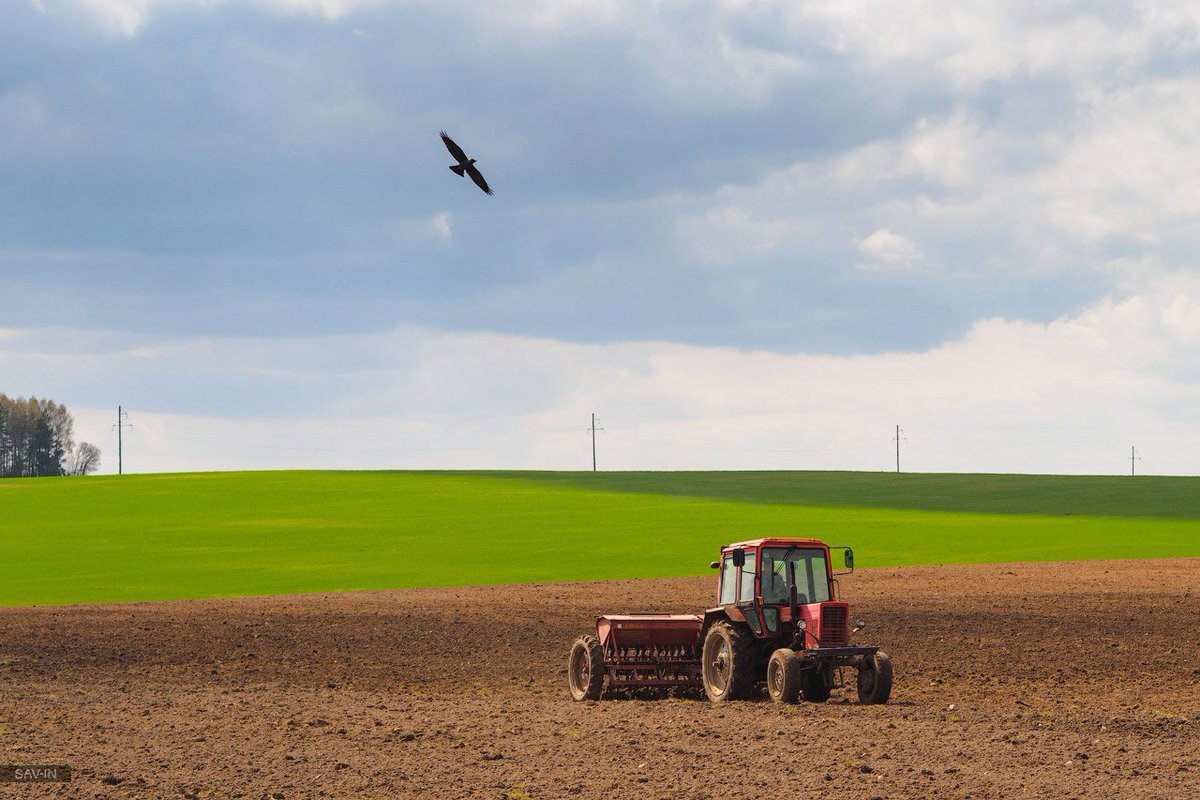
x,y
776,541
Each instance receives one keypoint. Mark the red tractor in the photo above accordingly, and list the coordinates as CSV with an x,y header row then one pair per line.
x,y
777,623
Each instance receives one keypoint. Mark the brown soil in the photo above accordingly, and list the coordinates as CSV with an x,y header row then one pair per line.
x,y
1020,680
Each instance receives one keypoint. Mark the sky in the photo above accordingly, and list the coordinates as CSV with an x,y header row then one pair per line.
x,y
743,234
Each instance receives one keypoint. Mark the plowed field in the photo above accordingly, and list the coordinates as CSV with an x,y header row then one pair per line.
x,y
1020,680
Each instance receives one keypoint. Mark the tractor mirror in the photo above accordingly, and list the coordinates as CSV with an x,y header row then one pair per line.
x,y
715,565
739,558
849,558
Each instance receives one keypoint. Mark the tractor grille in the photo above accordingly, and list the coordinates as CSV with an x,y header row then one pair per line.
x,y
834,632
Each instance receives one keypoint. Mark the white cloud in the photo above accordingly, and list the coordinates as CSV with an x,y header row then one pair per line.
x,y
330,9
124,17
730,235
951,151
995,41
557,16
757,72
442,227
1132,166
544,16
433,231
1067,396
1107,194
890,247
127,17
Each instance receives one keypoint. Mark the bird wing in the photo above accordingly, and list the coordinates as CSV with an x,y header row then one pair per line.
x,y
454,149
478,178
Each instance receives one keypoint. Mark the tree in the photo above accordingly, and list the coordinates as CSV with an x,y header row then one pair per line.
x,y
37,439
85,460
22,418
45,448
62,422
5,442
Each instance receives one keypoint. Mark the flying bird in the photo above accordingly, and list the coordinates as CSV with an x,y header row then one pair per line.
x,y
465,166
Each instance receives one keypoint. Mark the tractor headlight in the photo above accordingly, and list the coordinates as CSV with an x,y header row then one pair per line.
x,y
771,618
801,625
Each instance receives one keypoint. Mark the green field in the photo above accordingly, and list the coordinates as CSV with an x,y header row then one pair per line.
x,y
143,537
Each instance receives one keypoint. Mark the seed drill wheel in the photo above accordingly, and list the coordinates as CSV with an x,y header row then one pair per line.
x,y
816,683
875,679
783,676
727,663
585,669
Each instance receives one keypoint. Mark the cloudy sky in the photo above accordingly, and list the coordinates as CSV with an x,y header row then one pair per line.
x,y
744,234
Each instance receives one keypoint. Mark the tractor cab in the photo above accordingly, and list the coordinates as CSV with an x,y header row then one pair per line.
x,y
783,587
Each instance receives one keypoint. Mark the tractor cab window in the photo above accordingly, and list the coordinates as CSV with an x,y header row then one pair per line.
x,y
737,583
812,576
728,580
746,587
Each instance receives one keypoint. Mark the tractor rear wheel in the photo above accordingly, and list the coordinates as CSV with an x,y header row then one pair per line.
x,y
875,679
727,663
585,669
816,683
783,676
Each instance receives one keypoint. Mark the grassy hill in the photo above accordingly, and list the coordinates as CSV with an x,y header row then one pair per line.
x,y
1088,495
141,537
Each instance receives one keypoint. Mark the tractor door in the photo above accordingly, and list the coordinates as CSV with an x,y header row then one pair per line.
x,y
739,569
747,572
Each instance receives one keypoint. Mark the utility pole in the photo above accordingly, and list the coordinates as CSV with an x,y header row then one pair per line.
x,y
121,426
1133,458
593,429
898,440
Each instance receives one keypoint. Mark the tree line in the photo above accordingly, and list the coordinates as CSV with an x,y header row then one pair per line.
x,y
37,439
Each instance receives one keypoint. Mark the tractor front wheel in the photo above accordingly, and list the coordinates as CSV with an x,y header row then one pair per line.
x,y
816,684
585,669
875,679
727,663
783,676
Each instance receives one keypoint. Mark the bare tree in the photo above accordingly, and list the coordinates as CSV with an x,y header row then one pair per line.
x,y
62,422
85,460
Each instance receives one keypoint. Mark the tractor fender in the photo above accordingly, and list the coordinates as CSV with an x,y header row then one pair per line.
x,y
719,614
